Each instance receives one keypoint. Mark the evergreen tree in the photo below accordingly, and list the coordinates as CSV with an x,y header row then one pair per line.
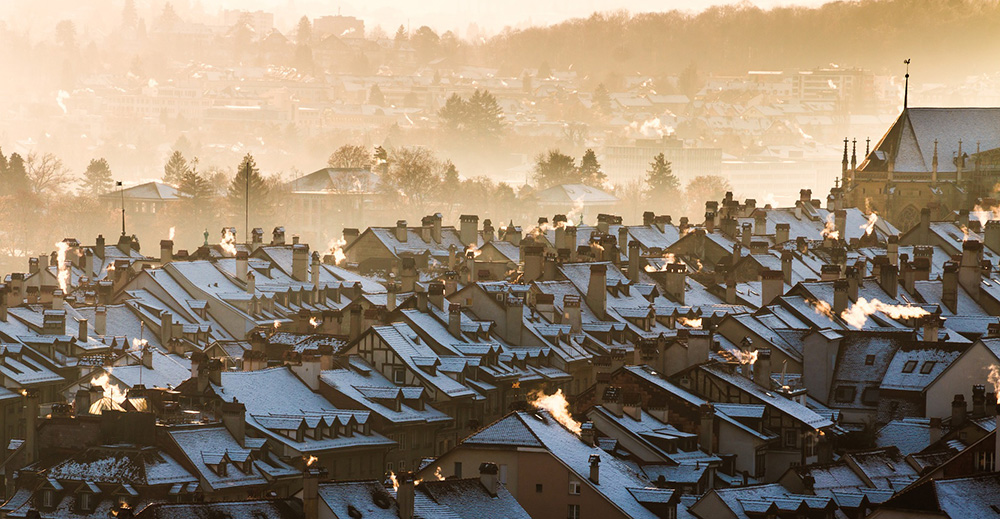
x,y
175,168
662,185
590,170
555,169
401,37
453,114
375,96
485,116
97,178
17,174
195,187
258,189
3,168
130,17
304,34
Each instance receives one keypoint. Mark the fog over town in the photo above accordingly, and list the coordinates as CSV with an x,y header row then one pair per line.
x,y
604,258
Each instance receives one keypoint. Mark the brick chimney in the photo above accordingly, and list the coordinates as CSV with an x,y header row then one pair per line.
x,y
235,420
99,246
315,270
746,234
840,296
81,334
310,492
892,250
760,222
278,236
840,222
889,280
571,306
978,401
762,368
455,320
31,398
435,294
932,323
300,262
787,257
634,258
958,411
970,270
166,326
242,262
597,292
251,283
101,320
533,263
256,238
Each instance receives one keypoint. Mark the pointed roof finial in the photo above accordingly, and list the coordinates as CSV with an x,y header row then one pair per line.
x,y
868,142
906,86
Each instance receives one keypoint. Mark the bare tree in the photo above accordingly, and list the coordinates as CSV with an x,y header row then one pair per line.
x,y
47,174
350,156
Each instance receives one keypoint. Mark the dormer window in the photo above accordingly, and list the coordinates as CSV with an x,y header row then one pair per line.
x,y
85,501
48,498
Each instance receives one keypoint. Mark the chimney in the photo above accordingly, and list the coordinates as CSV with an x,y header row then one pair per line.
x,y
892,250
595,468
99,246
958,411
936,429
300,262
888,279
970,270
88,263
786,266
251,283
489,477
840,222
469,229
455,320
706,428
853,276
421,298
514,320
350,234
932,323
310,493
760,222
488,231
256,238
470,263
408,274
532,263
949,286
101,320
634,258
32,397
82,335
597,292
315,269
676,281
978,401
571,306
571,233
401,231
435,293
587,434
730,291
355,323
436,228
234,418
4,289
709,221
242,264
166,251
33,267
390,294
762,369
840,296
57,299
746,234
81,404
772,285
781,233
405,495
166,326
992,235
295,239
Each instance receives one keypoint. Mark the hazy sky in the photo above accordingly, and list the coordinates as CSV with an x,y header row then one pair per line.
x,y
491,15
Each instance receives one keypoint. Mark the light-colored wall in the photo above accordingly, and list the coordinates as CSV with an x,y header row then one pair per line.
x,y
969,369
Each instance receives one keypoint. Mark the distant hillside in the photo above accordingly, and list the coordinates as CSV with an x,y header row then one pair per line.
x,y
945,38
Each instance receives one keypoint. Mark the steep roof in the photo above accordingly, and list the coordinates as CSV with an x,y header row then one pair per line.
x,y
910,140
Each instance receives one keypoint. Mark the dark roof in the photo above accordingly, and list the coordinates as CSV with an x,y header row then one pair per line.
x,y
289,508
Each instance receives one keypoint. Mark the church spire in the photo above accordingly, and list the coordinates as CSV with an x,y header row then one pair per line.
x,y
906,85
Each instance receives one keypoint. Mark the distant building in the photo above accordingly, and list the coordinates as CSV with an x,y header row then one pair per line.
x,y
339,26
942,158
577,201
629,162
330,199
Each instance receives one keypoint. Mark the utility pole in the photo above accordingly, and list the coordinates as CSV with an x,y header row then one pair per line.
x,y
122,191
246,213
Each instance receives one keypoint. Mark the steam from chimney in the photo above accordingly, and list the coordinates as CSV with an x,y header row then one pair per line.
x,y
60,98
690,323
576,211
870,225
171,234
111,391
438,474
337,250
64,269
857,314
310,460
138,344
313,322
822,308
395,483
985,214
746,357
830,228
994,378
228,243
557,406
651,128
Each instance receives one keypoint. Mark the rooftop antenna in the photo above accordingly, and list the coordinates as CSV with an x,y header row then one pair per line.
x,y
122,191
906,85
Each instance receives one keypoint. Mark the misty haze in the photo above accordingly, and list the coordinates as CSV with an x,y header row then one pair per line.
x,y
601,259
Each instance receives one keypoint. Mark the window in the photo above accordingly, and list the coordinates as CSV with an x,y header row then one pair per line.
x,y
458,469
870,360
844,394
573,512
927,367
538,488
791,438
503,474
984,461
574,488
909,366
48,498
870,396
759,460
86,501
399,376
